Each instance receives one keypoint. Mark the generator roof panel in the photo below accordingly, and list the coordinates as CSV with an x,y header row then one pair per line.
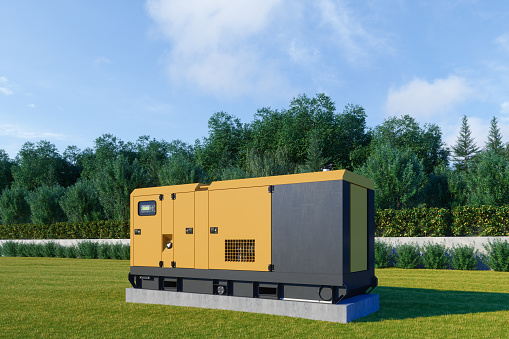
x,y
263,181
294,179
166,189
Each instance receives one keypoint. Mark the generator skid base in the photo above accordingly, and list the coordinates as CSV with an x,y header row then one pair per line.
x,y
343,312
303,236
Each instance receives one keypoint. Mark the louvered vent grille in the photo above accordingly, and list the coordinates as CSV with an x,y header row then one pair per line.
x,y
239,250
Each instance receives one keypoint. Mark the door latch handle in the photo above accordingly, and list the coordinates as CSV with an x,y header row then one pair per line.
x,y
189,230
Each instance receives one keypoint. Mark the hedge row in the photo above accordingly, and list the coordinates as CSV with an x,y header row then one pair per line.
x,y
111,229
441,222
416,222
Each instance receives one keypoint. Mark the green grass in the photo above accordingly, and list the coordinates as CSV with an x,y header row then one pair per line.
x,y
52,297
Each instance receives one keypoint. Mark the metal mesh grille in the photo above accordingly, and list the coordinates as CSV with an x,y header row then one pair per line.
x,y
239,250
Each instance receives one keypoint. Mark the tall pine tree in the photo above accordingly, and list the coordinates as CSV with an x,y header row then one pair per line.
x,y
465,147
494,142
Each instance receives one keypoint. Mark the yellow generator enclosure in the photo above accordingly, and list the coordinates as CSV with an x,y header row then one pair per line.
x,y
300,236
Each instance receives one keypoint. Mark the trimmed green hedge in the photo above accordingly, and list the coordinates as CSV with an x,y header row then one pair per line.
x,y
111,229
483,221
416,222
441,222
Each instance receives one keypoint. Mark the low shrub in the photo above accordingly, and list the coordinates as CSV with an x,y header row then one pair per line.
x,y
463,257
125,252
407,256
49,249
383,254
103,251
71,251
116,251
497,257
10,249
33,250
434,256
23,250
60,251
87,250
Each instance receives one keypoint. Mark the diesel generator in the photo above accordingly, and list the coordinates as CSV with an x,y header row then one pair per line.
x,y
303,236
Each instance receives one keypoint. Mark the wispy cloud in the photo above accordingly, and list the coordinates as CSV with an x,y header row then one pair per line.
x,y
355,40
31,105
504,108
23,132
210,48
102,61
422,99
503,42
4,86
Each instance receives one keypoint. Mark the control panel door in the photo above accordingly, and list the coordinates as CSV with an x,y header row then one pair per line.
x,y
167,238
183,216
146,230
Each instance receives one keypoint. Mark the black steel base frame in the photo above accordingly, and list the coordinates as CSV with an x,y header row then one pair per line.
x,y
268,285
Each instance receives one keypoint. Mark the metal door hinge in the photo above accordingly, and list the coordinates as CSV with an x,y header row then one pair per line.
x,y
173,196
271,189
173,264
161,197
271,268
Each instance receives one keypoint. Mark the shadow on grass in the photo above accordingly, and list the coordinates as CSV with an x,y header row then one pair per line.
x,y
405,303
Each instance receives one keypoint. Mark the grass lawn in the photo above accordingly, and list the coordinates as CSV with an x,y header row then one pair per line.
x,y
51,297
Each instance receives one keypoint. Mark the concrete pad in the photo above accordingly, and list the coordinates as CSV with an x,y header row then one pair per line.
x,y
344,312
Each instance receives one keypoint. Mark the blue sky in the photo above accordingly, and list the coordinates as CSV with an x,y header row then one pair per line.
x,y
73,70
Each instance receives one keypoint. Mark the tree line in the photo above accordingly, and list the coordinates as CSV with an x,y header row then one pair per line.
x,y
408,162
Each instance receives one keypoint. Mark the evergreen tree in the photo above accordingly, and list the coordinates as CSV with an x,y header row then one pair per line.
x,y
314,159
44,204
465,147
398,177
5,170
494,142
14,208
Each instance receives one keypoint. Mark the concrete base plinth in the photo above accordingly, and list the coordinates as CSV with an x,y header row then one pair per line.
x,y
344,312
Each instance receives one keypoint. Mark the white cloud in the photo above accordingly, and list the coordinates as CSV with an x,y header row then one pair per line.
x,y
23,132
503,41
299,53
422,99
102,60
4,89
31,105
210,47
356,41
504,108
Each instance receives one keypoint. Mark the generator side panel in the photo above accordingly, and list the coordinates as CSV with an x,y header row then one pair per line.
x,y
358,228
201,222
240,229
308,224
